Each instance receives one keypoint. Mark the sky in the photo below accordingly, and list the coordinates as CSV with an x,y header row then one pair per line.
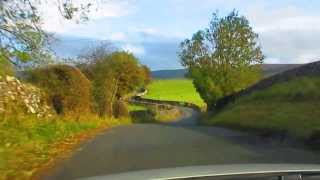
x,y
289,30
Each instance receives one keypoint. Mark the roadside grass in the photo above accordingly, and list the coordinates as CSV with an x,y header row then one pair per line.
x,y
174,90
291,107
27,142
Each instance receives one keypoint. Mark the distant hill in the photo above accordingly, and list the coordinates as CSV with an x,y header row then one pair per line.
x,y
268,70
169,74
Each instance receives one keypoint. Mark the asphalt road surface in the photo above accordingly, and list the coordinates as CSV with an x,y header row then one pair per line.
x,y
181,143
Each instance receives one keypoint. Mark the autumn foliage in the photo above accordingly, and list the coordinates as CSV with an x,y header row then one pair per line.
x,y
114,75
67,88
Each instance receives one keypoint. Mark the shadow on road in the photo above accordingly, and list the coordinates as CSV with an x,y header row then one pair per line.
x,y
181,143
272,149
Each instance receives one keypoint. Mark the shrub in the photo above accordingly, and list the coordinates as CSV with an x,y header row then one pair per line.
x,y
68,90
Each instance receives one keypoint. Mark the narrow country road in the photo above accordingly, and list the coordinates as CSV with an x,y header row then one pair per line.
x,y
181,143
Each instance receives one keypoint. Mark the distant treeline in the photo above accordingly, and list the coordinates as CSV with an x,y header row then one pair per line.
x,y
267,70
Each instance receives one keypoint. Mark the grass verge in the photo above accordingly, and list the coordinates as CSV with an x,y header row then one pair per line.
x,y
174,90
27,143
291,107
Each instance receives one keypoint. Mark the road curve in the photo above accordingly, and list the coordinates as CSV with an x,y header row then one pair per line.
x,y
181,143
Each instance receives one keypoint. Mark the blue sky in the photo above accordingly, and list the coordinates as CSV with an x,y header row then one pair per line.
x,y
152,29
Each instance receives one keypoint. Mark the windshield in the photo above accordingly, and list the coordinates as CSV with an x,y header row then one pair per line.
x,y
91,88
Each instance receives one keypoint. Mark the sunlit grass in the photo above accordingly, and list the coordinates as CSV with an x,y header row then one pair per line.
x,y
291,107
26,142
174,90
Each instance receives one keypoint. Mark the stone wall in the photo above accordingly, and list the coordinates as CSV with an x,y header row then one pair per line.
x,y
140,100
20,98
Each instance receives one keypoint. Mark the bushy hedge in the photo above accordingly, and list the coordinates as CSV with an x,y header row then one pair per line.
x,y
68,90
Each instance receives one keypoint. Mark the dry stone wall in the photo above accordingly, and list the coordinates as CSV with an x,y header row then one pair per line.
x,y
17,97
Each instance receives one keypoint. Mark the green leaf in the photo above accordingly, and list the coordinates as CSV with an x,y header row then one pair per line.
x,y
22,56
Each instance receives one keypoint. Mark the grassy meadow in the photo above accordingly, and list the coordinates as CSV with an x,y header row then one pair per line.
x,y
291,107
174,90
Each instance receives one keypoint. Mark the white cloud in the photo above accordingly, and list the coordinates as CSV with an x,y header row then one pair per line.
x,y
293,23
118,36
307,58
289,31
106,8
54,22
282,19
151,34
148,30
135,49
288,34
272,60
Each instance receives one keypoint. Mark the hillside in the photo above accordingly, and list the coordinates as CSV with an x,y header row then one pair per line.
x,y
311,69
267,69
287,103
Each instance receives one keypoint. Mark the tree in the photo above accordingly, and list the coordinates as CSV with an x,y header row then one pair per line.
x,y
146,74
93,55
22,39
220,58
114,75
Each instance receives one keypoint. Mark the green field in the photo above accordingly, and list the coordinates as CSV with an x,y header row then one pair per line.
x,y
291,107
174,90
